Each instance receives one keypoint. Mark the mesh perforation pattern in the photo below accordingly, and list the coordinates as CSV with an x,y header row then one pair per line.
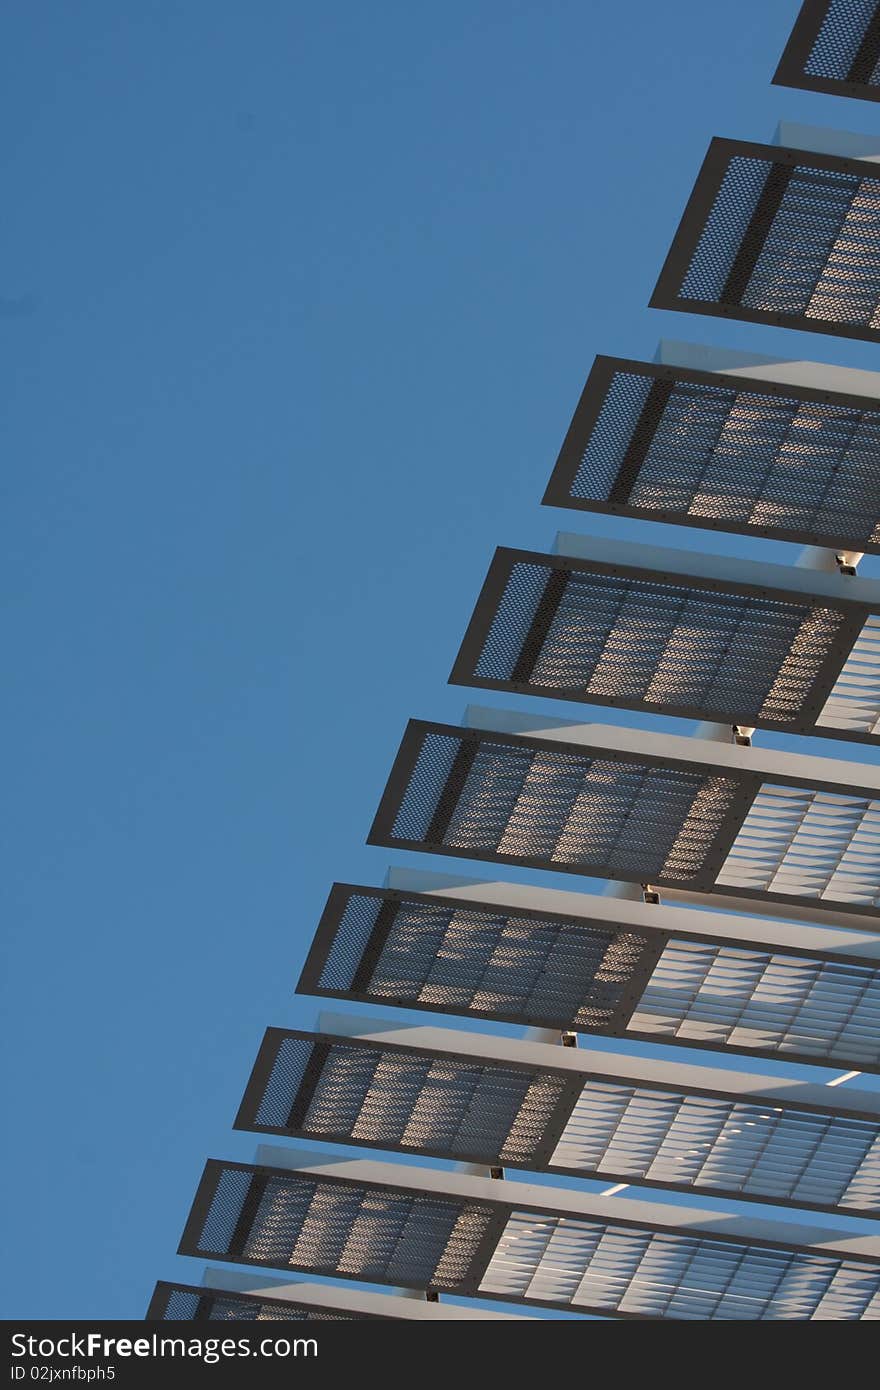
x,y
780,236
465,958
548,804
194,1303
596,633
326,1088
834,47
725,453
382,1235
650,1274
461,957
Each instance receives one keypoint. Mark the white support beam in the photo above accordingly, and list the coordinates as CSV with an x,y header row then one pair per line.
x,y
722,926
814,376
850,777
584,1063
406,1305
826,584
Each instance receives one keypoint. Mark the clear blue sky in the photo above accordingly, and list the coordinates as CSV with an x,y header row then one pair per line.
x,y
295,304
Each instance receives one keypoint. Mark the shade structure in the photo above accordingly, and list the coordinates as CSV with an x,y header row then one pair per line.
x,y
481,1099
515,1241
780,236
603,965
261,1300
690,643
834,47
623,804
724,452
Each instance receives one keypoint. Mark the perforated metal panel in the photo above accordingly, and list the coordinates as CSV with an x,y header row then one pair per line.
x,y
641,1273
780,236
725,453
194,1303
447,955
428,1102
548,804
454,956
731,1148
379,1234
615,635
324,1087
834,47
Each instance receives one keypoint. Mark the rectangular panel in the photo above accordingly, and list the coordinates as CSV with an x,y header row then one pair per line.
x,y
780,236
724,452
196,1303
467,958
336,1089
372,1232
442,1104
636,638
548,804
834,47
458,956
555,1248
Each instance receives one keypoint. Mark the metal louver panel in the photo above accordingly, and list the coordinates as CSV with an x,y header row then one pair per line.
x,y
781,236
625,804
195,1303
852,708
338,1089
517,1241
808,844
446,954
646,1274
609,634
834,47
638,1133
763,1001
479,1103
723,452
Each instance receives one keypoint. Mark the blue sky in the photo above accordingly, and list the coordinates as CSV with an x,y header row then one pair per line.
x,y
295,305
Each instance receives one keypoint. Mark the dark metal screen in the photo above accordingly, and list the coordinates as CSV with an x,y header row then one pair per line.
x,y
452,956
329,1226
549,804
834,47
194,1303
725,453
607,634
779,236
322,1087
429,1102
